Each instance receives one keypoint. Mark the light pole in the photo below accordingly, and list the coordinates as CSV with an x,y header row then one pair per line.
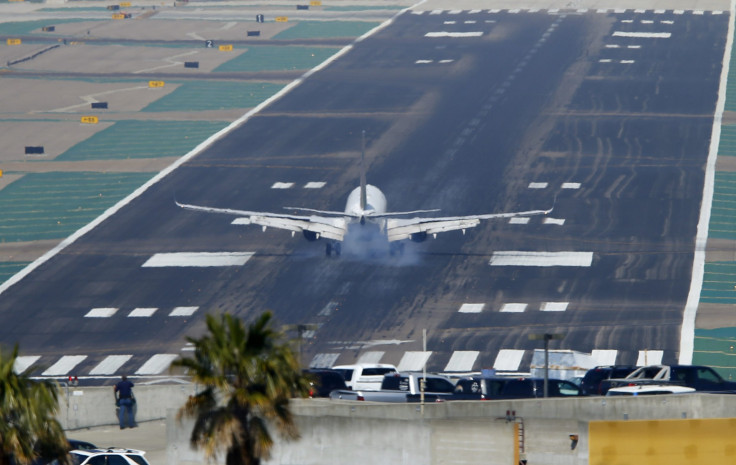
x,y
546,337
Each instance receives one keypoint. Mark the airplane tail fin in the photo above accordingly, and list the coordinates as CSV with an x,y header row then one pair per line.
x,y
363,194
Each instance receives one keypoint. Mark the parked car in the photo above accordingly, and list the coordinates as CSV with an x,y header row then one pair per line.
x,y
698,377
480,388
649,390
324,381
364,376
403,387
592,384
76,444
111,456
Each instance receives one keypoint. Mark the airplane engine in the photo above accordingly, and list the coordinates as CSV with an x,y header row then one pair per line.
x,y
419,237
311,236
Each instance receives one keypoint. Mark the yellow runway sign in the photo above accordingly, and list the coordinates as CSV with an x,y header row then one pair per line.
x,y
89,120
156,83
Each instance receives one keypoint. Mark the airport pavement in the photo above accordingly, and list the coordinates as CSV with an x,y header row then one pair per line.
x,y
149,436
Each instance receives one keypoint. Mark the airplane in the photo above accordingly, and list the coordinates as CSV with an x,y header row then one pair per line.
x,y
365,217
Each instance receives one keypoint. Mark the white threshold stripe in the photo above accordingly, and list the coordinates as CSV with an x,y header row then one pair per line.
x,y
110,365
644,35
101,313
524,258
454,34
315,185
64,365
604,357
324,360
282,185
519,220
23,362
513,308
142,312
687,332
183,311
192,153
197,259
471,308
508,360
373,356
554,306
413,361
156,364
649,357
462,360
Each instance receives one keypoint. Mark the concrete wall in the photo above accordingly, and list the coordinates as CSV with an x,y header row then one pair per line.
x,y
83,407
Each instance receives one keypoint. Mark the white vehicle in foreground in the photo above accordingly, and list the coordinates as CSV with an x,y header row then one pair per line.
x,y
649,390
109,456
364,376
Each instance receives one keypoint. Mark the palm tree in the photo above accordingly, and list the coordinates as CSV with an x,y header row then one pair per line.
x,y
248,375
28,425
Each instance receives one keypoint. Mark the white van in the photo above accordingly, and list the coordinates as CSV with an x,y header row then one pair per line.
x,y
364,376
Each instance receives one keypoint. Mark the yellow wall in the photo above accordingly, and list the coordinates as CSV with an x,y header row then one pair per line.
x,y
666,442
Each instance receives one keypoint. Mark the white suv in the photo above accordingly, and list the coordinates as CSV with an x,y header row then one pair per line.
x,y
110,456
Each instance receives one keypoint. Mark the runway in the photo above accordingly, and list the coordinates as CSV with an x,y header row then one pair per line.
x,y
606,115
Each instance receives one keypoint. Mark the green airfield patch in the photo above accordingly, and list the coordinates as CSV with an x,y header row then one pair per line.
x,y
716,348
143,139
277,58
214,95
53,205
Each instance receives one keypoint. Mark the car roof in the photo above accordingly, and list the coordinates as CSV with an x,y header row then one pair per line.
x,y
108,450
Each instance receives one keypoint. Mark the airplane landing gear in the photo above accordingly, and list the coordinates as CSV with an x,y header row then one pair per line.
x,y
330,247
396,248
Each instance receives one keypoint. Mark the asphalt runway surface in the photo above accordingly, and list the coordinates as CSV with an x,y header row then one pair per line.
x,y
608,116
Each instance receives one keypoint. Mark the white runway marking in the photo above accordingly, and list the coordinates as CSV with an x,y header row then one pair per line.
x,y
620,10
523,258
627,20
554,306
110,365
644,35
514,11
156,364
571,185
454,34
626,62
687,332
23,362
613,46
716,12
553,11
659,12
64,365
446,61
101,313
436,12
282,185
450,22
649,357
538,185
698,12
198,259
471,308
323,360
423,62
666,21
413,361
472,12
605,60
454,12
470,22
142,312
555,221
679,12
647,21
462,360
183,311
519,220
633,46
371,357
640,11
494,11
602,10
315,185
604,357
508,360
513,308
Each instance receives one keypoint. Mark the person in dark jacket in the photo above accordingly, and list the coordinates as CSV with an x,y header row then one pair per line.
x,y
124,399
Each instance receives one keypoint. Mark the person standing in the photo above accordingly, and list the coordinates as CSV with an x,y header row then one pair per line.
x,y
124,399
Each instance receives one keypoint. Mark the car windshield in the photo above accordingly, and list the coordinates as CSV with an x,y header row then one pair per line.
x,y
139,459
77,458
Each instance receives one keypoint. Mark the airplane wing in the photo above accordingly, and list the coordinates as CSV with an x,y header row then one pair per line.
x,y
328,227
398,229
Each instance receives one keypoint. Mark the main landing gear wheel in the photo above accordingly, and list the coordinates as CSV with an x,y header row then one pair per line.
x,y
328,249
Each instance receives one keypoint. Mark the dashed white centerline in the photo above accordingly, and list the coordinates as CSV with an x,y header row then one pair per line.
x,y
110,365
315,185
282,185
538,185
156,364
64,365
519,220
101,313
198,259
555,221
571,185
